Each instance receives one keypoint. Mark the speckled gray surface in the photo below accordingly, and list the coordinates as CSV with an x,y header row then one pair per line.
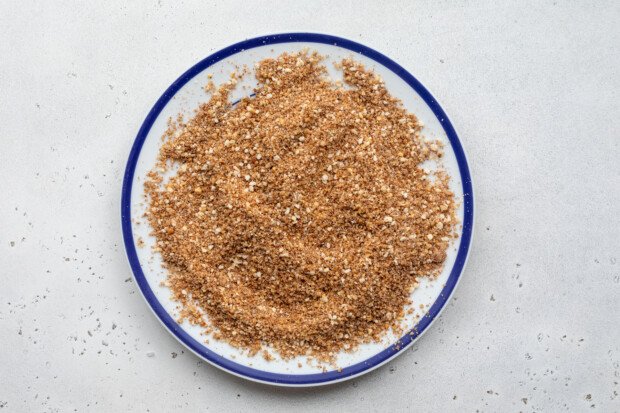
x,y
532,88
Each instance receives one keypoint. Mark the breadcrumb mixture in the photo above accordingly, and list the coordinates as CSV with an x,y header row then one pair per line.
x,y
300,219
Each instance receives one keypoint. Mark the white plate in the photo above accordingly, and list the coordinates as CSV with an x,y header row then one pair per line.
x,y
183,96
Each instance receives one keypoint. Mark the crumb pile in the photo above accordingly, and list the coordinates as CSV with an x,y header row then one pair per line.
x,y
300,218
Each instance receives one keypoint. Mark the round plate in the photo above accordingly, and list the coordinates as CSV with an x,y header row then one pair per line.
x,y
183,96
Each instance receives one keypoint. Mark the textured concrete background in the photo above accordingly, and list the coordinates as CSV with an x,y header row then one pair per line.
x,y
532,87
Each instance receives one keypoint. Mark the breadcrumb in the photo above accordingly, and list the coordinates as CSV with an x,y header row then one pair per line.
x,y
292,222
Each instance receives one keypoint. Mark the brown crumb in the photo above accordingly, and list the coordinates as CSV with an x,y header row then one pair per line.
x,y
300,218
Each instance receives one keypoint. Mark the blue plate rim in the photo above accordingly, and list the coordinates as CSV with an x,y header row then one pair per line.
x,y
315,378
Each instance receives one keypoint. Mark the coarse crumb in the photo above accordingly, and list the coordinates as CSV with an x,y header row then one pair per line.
x,y
300,219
